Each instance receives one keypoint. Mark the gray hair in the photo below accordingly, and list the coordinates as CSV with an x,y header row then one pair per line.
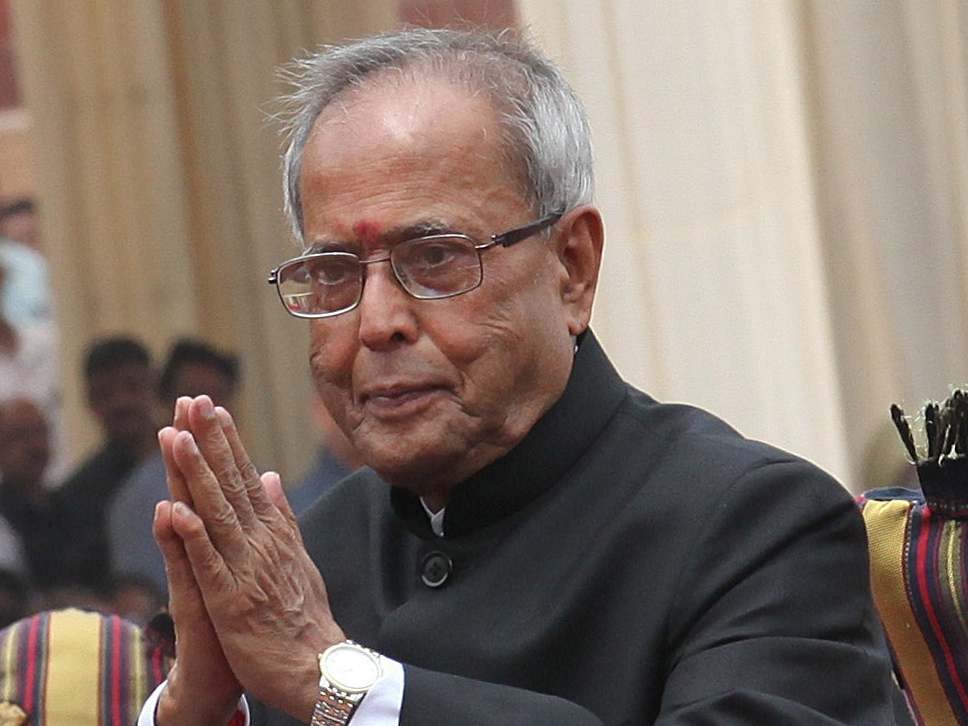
x,y
547,137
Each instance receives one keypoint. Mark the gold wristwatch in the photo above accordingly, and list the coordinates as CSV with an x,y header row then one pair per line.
x,y
347,671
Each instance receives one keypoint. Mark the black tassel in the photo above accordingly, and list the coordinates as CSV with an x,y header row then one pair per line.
x,y
904,431
943,471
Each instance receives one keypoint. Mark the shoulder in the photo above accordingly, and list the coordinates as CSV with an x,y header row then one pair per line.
x,y
90,471
83,471
683,428
692,465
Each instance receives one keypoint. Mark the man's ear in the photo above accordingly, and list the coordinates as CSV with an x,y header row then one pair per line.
x,y
580,236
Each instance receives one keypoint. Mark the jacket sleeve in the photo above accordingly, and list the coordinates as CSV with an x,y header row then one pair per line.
x,y
773,619
431,697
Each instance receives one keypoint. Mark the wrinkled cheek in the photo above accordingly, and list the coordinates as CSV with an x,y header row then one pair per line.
x,y
331,366
339,403
331,350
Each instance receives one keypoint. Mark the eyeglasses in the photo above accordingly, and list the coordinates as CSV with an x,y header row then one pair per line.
x,y
434,267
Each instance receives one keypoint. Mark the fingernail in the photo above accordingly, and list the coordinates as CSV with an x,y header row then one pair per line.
x,y
158,511
224,417
181,509
189,441
205,407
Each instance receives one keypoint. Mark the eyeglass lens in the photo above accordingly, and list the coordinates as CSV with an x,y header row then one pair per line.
x,y
427,268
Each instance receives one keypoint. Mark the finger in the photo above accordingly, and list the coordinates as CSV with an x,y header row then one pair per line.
x,y
185,599
272,484
180,419
173,476
207,429
209,569
250,475
209,502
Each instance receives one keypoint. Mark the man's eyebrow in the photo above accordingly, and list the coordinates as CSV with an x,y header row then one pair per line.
x,y
421,228
324,245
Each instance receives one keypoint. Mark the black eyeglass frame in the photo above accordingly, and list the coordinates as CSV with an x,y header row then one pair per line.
x,y
504,239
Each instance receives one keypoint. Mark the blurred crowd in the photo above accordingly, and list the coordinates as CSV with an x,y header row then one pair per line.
x,y
81,536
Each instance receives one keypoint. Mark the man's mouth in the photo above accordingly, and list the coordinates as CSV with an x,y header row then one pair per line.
x,y
399,400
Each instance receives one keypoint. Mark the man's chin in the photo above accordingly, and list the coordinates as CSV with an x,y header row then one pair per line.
x,y
413,466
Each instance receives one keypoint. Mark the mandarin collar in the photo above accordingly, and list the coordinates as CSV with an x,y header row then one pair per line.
x,y
591,397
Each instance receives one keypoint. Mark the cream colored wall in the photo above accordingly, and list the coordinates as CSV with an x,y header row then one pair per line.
x,y
887,84
160,183
785,185
713,289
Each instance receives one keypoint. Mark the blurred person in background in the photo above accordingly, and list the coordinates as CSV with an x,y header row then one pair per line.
x,y
28,357
26,297
18,222
136,598
119,381
15,597
192,368
29,367
26,504
335,459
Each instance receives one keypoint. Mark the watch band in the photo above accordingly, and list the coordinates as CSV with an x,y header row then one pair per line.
x,y
333,708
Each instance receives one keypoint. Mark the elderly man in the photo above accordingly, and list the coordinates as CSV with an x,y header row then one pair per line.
x,y
534,541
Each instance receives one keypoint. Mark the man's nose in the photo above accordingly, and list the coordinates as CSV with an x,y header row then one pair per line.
x,y
386,310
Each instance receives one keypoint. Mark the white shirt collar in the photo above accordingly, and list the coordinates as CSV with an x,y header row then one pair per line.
x,y
436,518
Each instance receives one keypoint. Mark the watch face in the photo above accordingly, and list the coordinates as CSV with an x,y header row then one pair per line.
x,y
350,668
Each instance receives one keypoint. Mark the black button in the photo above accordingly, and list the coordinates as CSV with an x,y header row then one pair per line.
x,y
435,569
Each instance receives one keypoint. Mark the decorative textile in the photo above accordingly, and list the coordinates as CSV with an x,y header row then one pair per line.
x,y
917,543
73,667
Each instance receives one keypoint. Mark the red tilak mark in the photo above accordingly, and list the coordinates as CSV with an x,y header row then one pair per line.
x,y
366,232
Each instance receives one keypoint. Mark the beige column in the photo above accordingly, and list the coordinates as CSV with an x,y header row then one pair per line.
x,y
889,127
159,178
713,289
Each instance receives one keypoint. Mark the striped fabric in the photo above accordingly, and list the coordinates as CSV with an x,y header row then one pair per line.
x,y
918,576
79,668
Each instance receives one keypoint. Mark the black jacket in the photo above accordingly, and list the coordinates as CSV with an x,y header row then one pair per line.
x,y
630,562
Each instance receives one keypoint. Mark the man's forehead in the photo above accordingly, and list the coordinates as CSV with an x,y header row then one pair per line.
x,y
405,114
367,231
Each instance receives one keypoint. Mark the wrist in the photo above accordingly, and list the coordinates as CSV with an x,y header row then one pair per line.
x,y
304,699
173,711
